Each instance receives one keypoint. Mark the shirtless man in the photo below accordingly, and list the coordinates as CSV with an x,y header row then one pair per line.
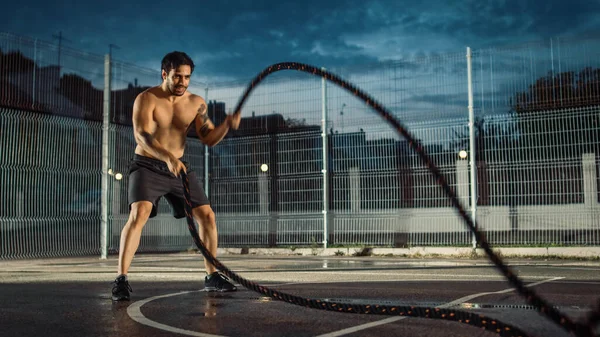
x,y
162,116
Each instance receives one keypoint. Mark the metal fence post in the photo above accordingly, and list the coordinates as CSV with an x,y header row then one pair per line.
x,y
105,125
34,73
274,193
472,156
206,154
325,153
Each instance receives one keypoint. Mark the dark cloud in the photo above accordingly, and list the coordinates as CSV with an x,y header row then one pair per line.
x,y
236,39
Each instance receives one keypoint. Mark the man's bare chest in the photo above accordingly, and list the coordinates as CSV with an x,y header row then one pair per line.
x,y
173,116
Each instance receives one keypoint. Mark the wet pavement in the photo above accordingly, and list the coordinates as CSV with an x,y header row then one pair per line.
x,y
71,297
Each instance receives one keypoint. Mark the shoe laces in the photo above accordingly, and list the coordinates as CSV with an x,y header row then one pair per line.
x,y
117,283
222,278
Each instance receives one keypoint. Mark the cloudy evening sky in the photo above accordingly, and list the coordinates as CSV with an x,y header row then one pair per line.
x,y
233,39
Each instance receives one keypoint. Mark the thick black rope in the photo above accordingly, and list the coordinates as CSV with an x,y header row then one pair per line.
x,y
579,329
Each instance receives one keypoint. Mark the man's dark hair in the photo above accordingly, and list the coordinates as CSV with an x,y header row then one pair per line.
x,y
175,59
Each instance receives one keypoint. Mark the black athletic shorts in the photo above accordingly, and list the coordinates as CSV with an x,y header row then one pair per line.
x,y
150,179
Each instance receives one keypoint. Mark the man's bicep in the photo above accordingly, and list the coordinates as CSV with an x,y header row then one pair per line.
x,y
203,124
143,122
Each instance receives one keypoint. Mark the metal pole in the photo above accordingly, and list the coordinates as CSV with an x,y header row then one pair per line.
x,y
105,125
34,72
206,152
553,74
325,180
552,56
472,157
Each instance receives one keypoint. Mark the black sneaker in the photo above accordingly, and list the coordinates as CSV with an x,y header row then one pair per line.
x,y
218,282
121,289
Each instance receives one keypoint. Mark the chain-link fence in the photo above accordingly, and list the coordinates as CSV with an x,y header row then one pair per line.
x,y
284,180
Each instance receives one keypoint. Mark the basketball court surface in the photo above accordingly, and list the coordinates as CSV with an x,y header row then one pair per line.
x,y
71,296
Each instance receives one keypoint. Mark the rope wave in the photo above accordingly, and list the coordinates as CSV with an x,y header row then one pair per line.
x,y
584,329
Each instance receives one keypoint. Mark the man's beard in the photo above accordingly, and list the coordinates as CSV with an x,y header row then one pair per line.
x,y
177,90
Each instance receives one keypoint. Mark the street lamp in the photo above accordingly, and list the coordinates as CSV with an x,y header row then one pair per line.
x,y
117,175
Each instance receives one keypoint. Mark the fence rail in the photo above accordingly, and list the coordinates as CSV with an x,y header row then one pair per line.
x,y
536,145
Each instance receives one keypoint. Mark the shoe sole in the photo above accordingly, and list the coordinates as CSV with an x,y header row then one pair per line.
x,y
213,290
121,298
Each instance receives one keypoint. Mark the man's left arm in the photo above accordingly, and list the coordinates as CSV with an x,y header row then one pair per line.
x,y
210,134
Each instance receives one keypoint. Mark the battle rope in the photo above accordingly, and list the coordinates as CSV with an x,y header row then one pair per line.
x,y
503,329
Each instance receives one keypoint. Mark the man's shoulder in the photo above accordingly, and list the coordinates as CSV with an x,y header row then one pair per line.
x,y
148,94
196,100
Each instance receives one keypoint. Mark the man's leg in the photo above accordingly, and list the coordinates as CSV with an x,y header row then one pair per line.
x,y
130,240
131,234
207,228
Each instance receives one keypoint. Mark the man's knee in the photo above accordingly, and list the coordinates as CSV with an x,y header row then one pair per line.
x,y
205,215
140,213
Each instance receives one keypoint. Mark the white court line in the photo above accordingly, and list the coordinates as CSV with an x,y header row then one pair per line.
x,y
134,311
457,301
580,282
572,268
470,297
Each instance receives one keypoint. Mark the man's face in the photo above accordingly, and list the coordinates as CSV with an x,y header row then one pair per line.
x,y
178,79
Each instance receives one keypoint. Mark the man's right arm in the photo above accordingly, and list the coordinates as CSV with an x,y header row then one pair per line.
x,y
144,127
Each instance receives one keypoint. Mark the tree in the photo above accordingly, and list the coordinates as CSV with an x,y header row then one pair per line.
x,y
563,90
559,115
